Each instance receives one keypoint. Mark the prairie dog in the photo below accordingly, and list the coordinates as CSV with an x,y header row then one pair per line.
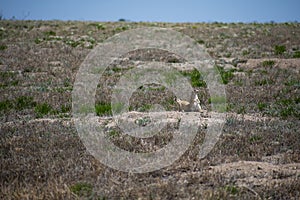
x,y
190,106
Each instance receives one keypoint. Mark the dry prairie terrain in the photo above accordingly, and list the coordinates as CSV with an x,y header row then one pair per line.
x,y
256,157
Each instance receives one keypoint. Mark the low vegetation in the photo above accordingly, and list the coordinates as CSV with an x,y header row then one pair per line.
x,y
43,157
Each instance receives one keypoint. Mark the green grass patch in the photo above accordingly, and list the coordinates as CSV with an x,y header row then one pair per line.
x,y
279,49
143,121
6,105
241,110
245,52
288,107
263,82
293,83
24,102
8,79
99,26
268,63
38,40
18,104
65,108
103,109
296,54
226,75
200,42
232,189
285,108
49,33
195,77
218,103
261,106
42,109
122,28
145,108
6,75
82,189
113,133
255,138
73,43
3,47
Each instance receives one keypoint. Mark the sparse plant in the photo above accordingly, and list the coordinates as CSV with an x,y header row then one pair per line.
x,y
49,33
200,41
122,28
3,47
195,77
38,40
226,75
255,138
65,108
113,133
6,105
232,189
145,108
288,107
296,54
82,189
264,82
218,103
143,121
279,49
21,103
230,121
99,26
103,109
42,109
242,110
268,63
293,82
24,102
72,43
245,52
261,106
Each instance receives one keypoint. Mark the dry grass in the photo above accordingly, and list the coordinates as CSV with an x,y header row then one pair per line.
x,y
42,157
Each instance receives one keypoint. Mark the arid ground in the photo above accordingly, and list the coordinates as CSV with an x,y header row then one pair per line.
x,y
256,157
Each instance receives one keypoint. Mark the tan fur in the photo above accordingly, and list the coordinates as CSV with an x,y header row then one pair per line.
x,y
192,105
